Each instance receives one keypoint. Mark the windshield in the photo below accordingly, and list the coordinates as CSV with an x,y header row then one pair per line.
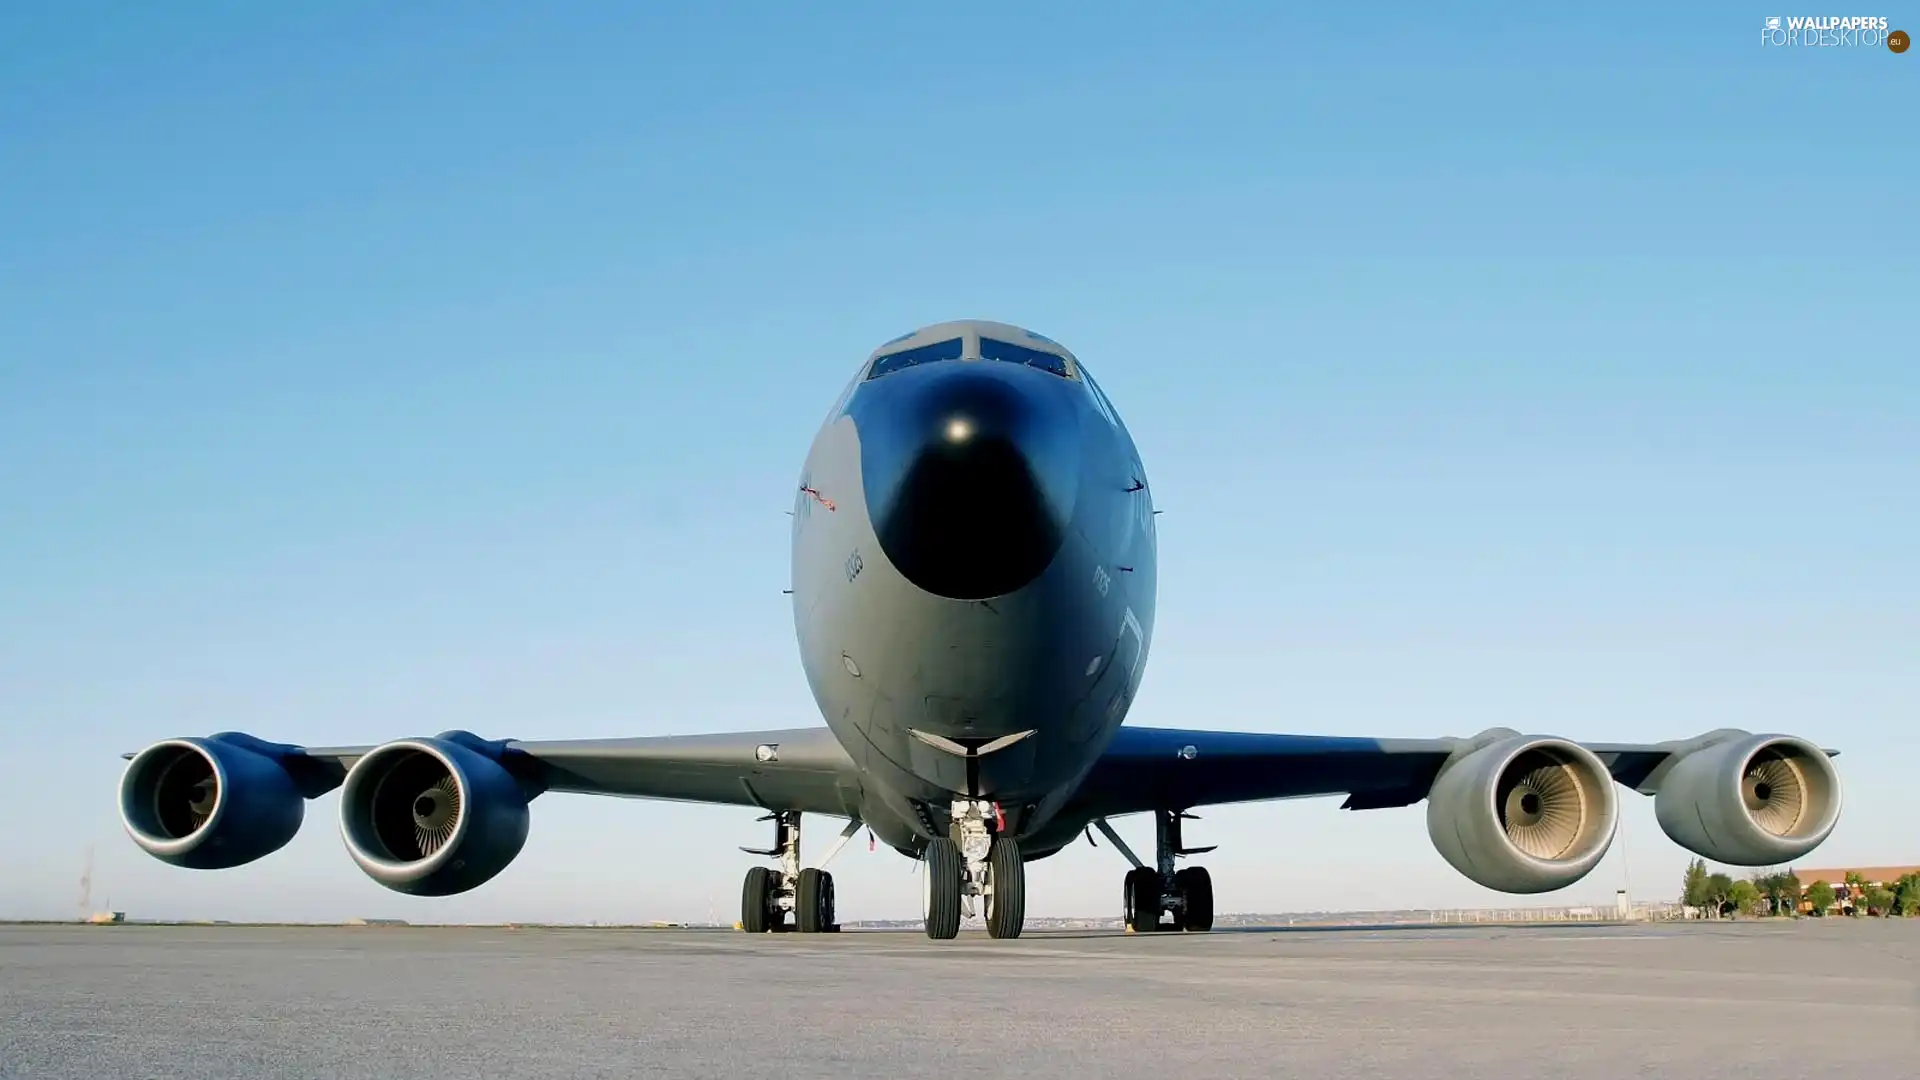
x,y
991,349
906,358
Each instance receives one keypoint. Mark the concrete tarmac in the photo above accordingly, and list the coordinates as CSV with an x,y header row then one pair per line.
x,y
1753,1000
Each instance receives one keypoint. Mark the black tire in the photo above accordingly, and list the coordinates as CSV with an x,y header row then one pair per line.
x,y
940,898
829,918
1143,900
753,901
813,901
1195,887
1007,876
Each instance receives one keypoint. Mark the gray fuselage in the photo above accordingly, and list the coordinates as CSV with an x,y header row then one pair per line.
x,y
973,577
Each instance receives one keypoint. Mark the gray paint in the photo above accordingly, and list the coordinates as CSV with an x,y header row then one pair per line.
x,y
968,669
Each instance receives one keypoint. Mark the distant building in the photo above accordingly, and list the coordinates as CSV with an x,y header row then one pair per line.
x,y
1843,894
1872,875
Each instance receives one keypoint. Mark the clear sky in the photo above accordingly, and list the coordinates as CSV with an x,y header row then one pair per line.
x,y
368,370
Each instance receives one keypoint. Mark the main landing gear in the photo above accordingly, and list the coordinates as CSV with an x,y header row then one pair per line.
x,y
1186,896
973,860
771,896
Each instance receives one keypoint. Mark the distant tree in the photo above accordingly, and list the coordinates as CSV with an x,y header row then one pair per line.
x,y
1906,895
1745,896
1719,892
1820,897
1880,901
1780,892
1693,888
1790,892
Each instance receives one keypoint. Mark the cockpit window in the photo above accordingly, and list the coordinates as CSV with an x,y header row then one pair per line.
x,y
1100,401
1020,354
906,358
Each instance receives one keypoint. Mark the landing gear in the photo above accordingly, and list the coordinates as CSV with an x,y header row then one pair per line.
x,y
770,895
1141,900
973,861
1193,892
813,902
1006,889
940,887
1152,891
759,910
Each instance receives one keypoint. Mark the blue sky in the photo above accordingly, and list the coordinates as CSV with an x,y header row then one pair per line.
x,y
367,371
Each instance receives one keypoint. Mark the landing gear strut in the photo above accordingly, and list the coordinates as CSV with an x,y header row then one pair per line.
x,y
1152,891
770,895
973,860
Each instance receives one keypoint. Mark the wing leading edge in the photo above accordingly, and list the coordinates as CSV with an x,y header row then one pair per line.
x,y
802,769
1170,769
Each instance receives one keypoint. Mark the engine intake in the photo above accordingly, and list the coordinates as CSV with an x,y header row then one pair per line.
x,y
1523,814
211,803
1751,800
433,817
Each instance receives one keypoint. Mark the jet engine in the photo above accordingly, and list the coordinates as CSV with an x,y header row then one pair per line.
x,y
211,803
1523,813
1750,800
433,817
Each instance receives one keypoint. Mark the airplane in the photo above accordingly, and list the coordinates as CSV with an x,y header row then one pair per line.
x,y
973,582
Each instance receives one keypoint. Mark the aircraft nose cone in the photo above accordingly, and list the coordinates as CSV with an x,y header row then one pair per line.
x,y
970,470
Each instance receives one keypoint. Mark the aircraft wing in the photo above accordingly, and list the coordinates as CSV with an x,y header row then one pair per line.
x,y
798,769
802,769
1169,769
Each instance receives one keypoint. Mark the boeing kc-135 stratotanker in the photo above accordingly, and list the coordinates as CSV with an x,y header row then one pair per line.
x,y
973,593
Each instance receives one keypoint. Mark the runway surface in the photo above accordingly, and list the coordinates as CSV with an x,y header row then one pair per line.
x,y
1752,1000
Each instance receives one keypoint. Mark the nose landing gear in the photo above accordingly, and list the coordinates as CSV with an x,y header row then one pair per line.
x,y
973,860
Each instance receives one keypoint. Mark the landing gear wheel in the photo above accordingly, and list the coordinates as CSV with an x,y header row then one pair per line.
x,y
1143,900
755,909
940,888
1006,890
813,902
1194,886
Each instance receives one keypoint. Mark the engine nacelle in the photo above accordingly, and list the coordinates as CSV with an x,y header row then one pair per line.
x,y
211,803
433,817
1752,800
1523,814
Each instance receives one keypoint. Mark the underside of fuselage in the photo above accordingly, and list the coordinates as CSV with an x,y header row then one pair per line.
x,y
973,576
